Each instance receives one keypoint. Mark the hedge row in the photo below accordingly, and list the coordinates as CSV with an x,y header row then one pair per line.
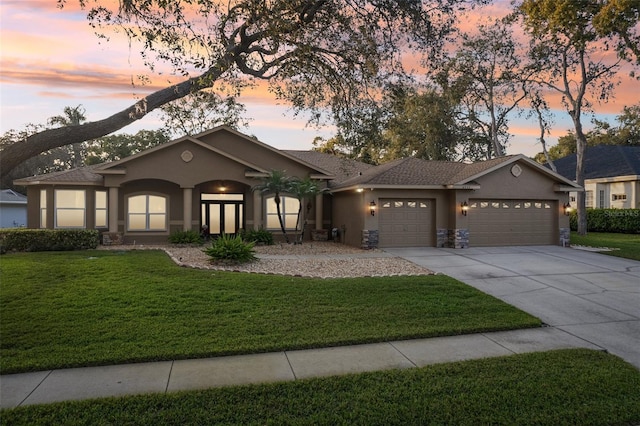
x,y
623,221
25,239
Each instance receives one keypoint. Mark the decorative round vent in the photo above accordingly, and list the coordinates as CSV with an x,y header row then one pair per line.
x,y
186,156
516,170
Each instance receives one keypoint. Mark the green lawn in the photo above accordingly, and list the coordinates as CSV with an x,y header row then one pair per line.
x,y
67,309
568,387
628,245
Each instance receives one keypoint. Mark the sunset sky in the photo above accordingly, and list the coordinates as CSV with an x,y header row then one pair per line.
x,y
50,59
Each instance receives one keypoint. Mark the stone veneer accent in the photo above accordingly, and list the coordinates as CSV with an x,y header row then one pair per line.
x,y
452,238
442,238
370,238
461,238
565,237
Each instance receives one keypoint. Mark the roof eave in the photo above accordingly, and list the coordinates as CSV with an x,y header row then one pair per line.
x,y
362,187
54,182
567,188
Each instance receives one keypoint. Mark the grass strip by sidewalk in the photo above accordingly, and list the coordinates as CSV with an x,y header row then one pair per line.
x,y
70,309
568,387
627,245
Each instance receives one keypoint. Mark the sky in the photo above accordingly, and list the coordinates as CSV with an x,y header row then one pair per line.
x,y
51,58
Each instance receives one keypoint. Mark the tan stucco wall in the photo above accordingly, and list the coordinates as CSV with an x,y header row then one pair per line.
x,y
348,212
33,206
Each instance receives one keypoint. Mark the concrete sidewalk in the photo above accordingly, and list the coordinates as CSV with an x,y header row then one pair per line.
x,y
169,376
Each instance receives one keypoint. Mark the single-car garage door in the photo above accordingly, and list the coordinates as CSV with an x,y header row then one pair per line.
x,y
512,222
406,222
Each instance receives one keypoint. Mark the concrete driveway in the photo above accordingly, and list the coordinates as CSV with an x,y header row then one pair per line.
x,y
590,295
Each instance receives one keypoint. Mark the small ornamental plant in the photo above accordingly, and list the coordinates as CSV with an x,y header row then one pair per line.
x,y
257,236
185,237
231,250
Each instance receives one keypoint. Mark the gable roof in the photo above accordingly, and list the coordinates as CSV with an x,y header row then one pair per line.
x,y
78,176
105,168
9,196
416,173
340,168
603,161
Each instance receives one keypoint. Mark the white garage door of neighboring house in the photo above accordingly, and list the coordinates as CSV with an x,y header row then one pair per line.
x,y
406,222
512,222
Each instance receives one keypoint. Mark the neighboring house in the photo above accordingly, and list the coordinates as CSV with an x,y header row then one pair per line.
x,y
207,180
13,209
612,176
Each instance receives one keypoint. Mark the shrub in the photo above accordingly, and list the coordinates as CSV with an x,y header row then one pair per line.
x,y
259,236
231,250
185,237
623,221
24,239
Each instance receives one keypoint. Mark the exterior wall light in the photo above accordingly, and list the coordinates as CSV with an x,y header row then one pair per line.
x,y
372,208
464,208
567,209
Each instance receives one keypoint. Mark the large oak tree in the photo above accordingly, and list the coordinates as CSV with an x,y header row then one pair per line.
x,y
315,53
568,38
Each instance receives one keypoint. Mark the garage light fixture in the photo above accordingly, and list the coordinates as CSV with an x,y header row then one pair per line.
x,y
567,209
372,208
464,208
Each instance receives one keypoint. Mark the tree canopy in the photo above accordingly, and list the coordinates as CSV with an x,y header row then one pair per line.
x,y
627,133
315,53
567,37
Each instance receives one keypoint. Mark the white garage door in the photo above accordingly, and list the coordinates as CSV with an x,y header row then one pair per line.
x,y
406,222
512,222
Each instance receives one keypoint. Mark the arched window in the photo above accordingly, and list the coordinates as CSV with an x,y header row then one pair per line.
x,y
146,213
288,208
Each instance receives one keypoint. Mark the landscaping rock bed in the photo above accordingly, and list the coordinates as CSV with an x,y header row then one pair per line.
x,y
314,259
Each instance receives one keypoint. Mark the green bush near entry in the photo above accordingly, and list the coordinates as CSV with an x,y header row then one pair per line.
x,y
259,236
231,250
185,237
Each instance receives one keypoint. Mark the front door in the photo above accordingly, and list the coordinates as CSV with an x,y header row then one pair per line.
x,y
222,213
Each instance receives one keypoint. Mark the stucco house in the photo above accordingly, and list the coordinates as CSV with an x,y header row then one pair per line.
x,y
13,209
612,176
208,179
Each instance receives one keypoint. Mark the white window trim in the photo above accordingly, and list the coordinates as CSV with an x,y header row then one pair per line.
x,y
57,209
147,214
105,209
284,213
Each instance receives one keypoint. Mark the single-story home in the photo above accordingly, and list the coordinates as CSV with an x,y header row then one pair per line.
x,y
13,209
611,176
209,179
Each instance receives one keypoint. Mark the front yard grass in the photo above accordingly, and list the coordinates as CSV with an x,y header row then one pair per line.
x,y
568,387
627,245
69,309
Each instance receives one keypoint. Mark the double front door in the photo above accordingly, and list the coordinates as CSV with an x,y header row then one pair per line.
x,y
222,213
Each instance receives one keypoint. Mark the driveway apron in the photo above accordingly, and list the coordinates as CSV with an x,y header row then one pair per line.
x,y
590,295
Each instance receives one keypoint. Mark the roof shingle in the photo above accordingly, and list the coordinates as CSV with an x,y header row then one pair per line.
x,y
603,161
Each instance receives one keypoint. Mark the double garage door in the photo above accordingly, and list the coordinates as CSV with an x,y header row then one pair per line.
x,y
512,222
406,222
411,222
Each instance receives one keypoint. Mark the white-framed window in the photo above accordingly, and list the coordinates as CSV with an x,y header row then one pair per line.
x,y
289,207
101,209
588,198
70,208
601,199
618,197
43,208
146,213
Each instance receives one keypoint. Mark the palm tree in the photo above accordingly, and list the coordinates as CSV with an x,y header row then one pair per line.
x,y
72,117
276,182
303,190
